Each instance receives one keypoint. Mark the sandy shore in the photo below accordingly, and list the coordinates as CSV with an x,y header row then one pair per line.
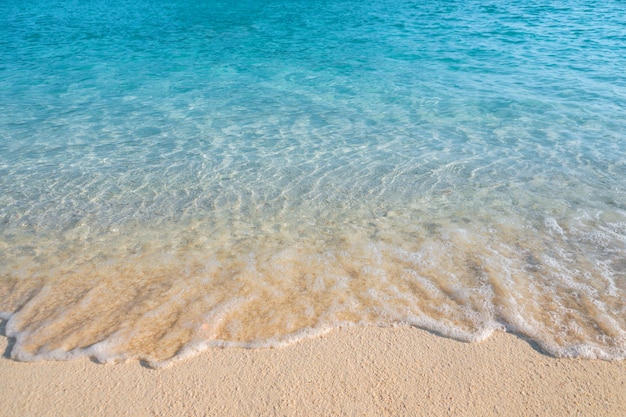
x,y
354,372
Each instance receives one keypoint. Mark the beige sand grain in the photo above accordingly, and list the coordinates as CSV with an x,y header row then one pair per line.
x,y
360,371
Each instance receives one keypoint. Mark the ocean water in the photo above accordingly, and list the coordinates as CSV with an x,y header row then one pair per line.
x,y
182,174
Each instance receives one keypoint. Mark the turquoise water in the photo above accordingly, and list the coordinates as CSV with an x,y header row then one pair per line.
x,y
176,175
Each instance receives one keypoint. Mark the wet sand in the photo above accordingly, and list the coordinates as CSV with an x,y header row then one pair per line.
x,y
357,371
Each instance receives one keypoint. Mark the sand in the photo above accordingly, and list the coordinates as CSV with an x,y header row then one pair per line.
x,y
359,371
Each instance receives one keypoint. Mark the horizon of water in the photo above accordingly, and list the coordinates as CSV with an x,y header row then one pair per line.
x,y
177,175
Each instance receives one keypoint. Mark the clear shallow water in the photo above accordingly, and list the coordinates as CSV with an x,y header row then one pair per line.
x,y
179,175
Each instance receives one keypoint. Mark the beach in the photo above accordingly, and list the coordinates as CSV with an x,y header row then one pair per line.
x,y
355,371
312,208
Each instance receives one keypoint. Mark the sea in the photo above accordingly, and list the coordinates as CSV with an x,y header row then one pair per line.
x,y
180,175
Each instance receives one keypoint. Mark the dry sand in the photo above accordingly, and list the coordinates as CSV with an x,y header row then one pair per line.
x,y
354,371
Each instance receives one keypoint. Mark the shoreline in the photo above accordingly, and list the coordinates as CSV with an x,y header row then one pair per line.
x,y
349,371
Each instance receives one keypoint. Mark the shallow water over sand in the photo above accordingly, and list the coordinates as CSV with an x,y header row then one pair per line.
x,y
247,175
